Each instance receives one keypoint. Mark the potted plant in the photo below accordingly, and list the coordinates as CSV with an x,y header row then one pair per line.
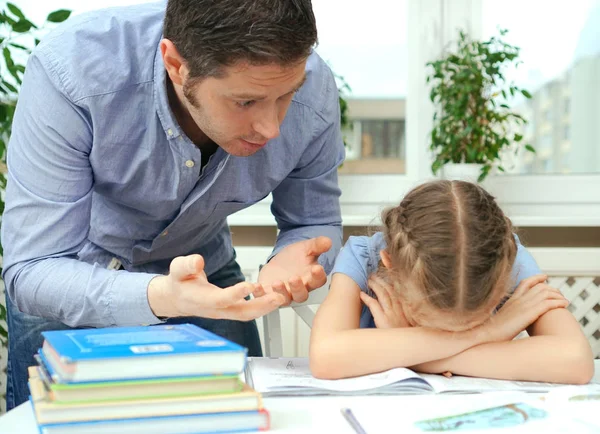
x,y
473,123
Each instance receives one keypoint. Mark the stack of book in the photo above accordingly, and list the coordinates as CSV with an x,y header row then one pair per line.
x,y
154,379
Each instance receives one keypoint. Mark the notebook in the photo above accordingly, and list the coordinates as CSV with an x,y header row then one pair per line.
x,y
292,377
48,411
198,423
124,353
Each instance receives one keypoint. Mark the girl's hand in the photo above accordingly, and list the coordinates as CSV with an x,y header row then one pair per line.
x,y
387,308
532,298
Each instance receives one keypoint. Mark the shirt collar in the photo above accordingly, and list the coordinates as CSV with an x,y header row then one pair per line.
x,y
161,99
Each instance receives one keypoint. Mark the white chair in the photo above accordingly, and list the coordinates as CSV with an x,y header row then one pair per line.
x,y
272,333
250,259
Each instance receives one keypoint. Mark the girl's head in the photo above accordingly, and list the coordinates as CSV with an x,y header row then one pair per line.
x,y
450,249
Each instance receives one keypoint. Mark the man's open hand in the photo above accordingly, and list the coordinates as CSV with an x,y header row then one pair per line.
x,y
295,270
185,291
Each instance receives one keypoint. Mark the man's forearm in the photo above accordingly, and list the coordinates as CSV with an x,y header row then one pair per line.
x,y
79,294
538,358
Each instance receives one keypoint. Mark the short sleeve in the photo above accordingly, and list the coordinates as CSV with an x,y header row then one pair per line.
x,y
524,266
354,261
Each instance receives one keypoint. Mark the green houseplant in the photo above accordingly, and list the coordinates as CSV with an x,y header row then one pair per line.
x,y
473,122
343,91
18,35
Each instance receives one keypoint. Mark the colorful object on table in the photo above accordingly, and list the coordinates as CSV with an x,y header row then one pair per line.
x,y
351,419
496,417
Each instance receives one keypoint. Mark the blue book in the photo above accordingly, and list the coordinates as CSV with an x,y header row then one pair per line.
x,y
237,421
125,353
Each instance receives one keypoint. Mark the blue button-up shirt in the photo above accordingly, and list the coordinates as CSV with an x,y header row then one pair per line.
x,y
100,169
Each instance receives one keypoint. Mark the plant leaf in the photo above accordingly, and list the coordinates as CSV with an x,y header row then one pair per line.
x,y
530,148
7,57
9,86
58,16
525,93
22,26
15,10
20,47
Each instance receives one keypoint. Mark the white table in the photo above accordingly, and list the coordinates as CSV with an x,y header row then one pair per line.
x,y
378,414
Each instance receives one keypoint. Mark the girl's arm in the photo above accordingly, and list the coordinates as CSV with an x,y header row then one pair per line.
x,y
557,352
339,348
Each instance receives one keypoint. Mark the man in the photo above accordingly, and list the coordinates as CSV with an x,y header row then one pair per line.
x,y
132,143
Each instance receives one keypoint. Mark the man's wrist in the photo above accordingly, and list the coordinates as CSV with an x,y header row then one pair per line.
x,y
159,301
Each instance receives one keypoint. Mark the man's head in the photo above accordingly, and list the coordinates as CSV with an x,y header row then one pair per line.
x,y
235,65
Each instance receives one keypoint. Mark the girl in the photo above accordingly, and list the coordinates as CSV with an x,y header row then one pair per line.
x,y
446,261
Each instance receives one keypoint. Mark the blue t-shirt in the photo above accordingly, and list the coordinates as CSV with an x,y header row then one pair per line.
x,y
360,258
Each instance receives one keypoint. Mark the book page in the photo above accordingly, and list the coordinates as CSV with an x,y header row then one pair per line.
x,y
459,384
288,374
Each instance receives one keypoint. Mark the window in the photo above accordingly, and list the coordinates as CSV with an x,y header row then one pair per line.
x,y
377,147
560,71
367,48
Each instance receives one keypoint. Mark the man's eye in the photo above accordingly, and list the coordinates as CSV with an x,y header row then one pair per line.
x,y
245,103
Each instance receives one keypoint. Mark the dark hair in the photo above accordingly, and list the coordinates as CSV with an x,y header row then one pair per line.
x,y
453,243
212,34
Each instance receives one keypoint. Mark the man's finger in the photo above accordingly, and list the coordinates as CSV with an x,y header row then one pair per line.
x,y
316,278
317,246
184,267
298,290
280,288
222,298
255,308
259,290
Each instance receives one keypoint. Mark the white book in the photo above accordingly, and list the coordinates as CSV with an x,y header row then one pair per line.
x,y
292,377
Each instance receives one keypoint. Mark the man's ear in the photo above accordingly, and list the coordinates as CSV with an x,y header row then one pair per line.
x,y
385,258
174,63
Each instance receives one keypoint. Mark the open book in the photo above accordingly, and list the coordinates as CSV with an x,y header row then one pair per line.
x,y
292,377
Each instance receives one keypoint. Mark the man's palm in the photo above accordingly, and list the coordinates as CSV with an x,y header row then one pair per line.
x,y
295,270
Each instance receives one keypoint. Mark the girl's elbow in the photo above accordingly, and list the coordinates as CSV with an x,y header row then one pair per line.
x,y
323,363
585,370
581,364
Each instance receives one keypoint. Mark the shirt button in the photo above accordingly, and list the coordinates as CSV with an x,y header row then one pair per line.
x,y
189,163
165,233
170,132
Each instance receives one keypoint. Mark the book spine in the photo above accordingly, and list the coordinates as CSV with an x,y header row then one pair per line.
x,y
267,425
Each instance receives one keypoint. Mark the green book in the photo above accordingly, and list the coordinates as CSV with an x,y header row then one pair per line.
x,y
135,389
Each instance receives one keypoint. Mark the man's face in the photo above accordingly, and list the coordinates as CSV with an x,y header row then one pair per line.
x,y
244,109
